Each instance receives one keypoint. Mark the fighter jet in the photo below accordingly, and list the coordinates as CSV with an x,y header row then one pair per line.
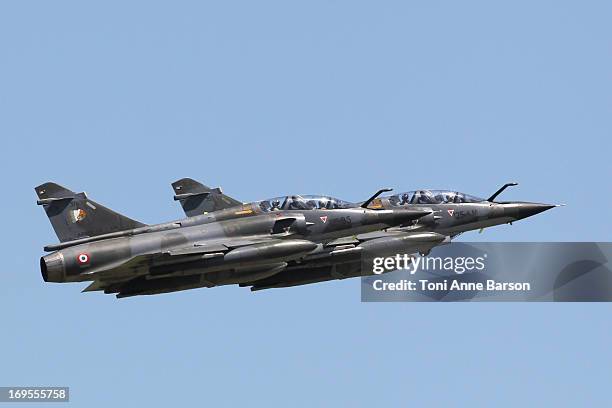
x,y
127,258
450,213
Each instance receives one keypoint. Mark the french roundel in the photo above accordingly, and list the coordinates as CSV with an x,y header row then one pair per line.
x,y
83,258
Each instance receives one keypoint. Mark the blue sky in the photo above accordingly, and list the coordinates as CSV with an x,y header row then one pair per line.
x,y
336,97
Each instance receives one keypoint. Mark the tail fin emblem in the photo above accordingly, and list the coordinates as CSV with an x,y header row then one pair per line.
x,y
77,215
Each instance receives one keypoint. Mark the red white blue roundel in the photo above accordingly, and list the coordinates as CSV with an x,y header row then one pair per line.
x,y
83,258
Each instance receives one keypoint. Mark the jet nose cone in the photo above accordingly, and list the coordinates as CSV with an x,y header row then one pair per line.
x,y
528,210
524,210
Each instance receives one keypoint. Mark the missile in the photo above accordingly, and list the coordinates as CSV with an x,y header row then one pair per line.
x,y
254,255
286,249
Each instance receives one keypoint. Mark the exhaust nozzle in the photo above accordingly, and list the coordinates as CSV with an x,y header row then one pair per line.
x,y
52,267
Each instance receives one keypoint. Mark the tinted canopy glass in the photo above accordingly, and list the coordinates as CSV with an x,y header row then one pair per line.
x,y
433,197
303,202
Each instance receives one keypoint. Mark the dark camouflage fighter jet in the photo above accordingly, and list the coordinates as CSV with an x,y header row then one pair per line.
x,y
450,214
126,257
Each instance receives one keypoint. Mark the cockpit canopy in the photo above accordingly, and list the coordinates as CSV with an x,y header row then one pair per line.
x,y
303,202
433,197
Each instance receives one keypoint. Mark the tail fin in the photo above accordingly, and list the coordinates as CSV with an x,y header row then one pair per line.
x,y
74,216
197,199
